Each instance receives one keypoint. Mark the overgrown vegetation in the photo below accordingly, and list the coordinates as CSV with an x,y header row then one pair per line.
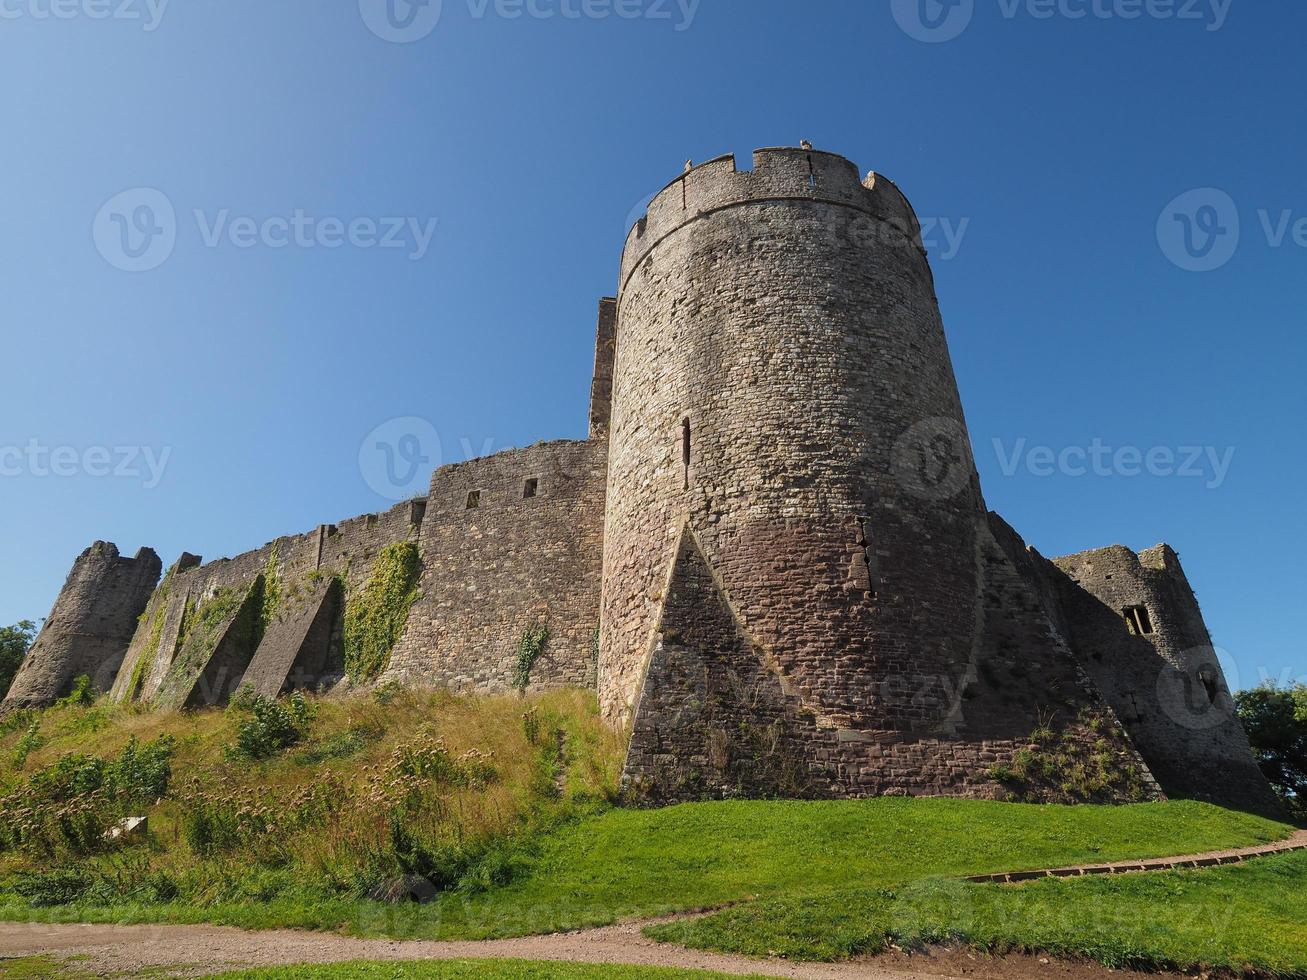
x,y
64,811
269,726
233,612
80,695
1083,763
273,594
15,641
1275,719
529,649
291,810
375,614
149,654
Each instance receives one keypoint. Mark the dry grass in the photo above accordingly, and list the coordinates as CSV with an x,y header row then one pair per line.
x,y
396,781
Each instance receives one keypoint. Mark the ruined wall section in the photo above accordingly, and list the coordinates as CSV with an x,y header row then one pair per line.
x,y
1165,678
90,627
297,564
511,542
601,389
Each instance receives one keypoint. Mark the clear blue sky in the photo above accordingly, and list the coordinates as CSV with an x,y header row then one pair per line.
x,y
1060,142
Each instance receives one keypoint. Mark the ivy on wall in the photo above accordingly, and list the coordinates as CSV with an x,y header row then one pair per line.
x,y
376,613
529,649
273,594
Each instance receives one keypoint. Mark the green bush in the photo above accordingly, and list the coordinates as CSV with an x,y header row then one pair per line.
x,y
81,696
1276,722
57,886
272,727
29,743
69,806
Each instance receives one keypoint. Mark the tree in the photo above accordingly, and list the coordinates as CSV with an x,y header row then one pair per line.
x,y
14,643
1276,721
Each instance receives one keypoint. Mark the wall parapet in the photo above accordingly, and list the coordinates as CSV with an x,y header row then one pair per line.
x,y
779,173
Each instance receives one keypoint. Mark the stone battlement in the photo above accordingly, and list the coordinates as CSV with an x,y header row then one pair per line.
x,y
778,174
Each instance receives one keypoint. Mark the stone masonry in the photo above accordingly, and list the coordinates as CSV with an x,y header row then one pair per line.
x,y
771,557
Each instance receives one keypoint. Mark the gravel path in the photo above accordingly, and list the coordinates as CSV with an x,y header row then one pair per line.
x,y
198,950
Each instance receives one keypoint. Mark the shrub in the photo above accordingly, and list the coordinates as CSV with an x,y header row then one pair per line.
x,y
57,886
81,696
273,727
29,743
70,805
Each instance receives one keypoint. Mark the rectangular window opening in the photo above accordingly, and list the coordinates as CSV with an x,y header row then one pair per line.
x,y
1138,620
473,499
532,489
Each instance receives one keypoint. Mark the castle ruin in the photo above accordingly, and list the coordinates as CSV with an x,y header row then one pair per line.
x,y
771,559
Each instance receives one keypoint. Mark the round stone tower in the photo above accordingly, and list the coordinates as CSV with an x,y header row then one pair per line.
x,y
783,395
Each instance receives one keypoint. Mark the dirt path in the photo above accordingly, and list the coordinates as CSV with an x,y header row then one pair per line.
x,y
193,951
203,950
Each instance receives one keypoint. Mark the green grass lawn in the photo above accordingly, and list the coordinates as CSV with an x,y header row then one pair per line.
x,y
1245,918
642,863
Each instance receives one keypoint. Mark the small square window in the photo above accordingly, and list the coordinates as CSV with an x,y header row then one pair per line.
x,y
532,489
473,499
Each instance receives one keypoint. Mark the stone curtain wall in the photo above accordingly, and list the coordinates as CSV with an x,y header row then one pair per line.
x,y
90,627
298,564
517,560
1191,740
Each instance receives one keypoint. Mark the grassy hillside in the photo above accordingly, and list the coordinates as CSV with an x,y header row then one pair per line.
x,y
1248,918
294,814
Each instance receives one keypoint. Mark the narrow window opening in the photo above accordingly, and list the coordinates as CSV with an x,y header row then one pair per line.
x,y
871,558
1134,714
685,452
531,489
1138,620
812,176
473,499
1209,685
